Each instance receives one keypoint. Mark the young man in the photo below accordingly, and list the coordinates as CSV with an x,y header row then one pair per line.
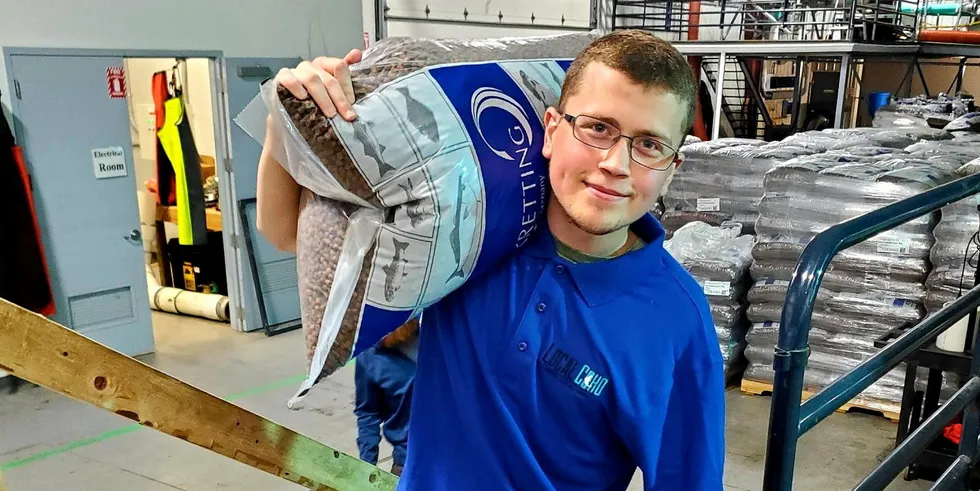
x,y
591,352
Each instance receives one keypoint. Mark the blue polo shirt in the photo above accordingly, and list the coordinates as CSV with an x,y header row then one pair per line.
x,y
549,375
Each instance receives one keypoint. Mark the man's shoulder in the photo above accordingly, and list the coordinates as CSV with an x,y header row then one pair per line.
x,y
678,283
676,303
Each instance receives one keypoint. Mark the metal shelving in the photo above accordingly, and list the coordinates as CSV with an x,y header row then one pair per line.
x,y
772,20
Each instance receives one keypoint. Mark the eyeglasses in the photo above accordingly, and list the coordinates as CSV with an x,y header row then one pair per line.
x,y
648,151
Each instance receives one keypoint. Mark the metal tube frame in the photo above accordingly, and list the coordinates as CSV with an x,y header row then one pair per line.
x,y
755,92
791,350
835,395
719,96
845,70
922,78
900,458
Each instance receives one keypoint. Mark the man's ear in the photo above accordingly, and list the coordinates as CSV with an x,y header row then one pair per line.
x,y
672,172
552,118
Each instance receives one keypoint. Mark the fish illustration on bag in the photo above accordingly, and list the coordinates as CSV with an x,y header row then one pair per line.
x,y
547,66
532,85
395,271
420,116
370,150
457,229
413,206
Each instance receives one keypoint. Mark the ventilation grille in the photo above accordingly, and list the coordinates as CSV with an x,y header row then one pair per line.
x,y
94,310
278,275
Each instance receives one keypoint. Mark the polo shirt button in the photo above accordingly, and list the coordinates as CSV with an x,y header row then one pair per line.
x,y
522,346
542,307
560,268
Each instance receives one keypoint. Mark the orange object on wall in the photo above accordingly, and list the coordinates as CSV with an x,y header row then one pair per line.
x,y
959,37
25,279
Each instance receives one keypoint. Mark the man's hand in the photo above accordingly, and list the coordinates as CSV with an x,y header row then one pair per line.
x,y
326,80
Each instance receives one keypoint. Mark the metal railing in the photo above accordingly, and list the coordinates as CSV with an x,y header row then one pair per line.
x,y
789,420
773,20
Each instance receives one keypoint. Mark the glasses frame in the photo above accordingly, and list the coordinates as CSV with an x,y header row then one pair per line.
x,y
668,161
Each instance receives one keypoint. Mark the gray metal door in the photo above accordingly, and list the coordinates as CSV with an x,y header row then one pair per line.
x,y
77,145
276,275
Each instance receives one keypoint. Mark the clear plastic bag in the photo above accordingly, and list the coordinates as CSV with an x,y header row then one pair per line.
x,y
407,181
712,253
841,280
897,311
720,182
718,258
727,315
862,257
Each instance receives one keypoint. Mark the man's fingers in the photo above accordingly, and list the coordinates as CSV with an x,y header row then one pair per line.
x,y
339,97
287,79
328,65
314,80
343,77
354,56
327,81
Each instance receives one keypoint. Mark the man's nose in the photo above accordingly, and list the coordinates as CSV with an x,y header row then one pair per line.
x,y
617,159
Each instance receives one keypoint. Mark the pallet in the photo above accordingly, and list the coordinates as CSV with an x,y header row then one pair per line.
x,y
888,409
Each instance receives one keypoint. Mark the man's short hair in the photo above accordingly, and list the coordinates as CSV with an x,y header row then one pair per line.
x,y
644,58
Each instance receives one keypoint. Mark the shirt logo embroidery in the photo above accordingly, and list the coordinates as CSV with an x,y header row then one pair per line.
x,y
573,372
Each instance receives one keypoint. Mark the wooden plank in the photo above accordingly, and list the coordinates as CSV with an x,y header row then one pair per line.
x,y
37,349
890,410
1,482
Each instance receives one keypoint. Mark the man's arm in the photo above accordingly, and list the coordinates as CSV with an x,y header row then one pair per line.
x,y
692,455
277,198
682,446
327,81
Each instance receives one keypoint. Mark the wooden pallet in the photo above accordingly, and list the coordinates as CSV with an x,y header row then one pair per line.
x,y
888,409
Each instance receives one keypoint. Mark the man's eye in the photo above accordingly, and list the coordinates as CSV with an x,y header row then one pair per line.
x,y
650,146
598,127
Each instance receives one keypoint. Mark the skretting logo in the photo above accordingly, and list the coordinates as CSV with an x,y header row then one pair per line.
x,y
495,109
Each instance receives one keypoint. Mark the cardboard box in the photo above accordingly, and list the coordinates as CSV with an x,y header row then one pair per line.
x,y
207,167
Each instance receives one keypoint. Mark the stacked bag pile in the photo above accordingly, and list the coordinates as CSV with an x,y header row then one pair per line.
x,y
954,254
869,289
923,112
719,258
720,181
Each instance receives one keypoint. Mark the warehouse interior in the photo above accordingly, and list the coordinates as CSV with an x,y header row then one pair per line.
x,y
826,205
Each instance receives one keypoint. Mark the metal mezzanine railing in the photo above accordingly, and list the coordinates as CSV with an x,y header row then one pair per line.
x,y
789,420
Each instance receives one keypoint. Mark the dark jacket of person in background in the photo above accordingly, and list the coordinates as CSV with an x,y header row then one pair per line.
x,y
383,379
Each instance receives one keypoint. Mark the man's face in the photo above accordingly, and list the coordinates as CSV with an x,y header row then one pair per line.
x,y
602,191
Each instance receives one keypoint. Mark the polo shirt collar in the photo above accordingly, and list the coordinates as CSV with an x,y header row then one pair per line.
x,y
602,281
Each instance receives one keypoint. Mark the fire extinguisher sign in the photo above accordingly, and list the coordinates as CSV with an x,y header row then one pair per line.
x,y
116,81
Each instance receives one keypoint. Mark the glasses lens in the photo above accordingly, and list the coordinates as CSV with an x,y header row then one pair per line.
x,y
652,152
594,132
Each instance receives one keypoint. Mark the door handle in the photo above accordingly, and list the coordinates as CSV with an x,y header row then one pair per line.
x,y
134,236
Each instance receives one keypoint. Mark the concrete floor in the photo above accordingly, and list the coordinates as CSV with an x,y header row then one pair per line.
x,y
70,445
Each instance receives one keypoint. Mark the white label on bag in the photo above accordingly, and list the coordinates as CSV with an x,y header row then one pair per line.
x,y
709,204
895,246
717,288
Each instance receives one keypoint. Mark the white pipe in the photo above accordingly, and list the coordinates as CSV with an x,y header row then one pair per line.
x,y
177,301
